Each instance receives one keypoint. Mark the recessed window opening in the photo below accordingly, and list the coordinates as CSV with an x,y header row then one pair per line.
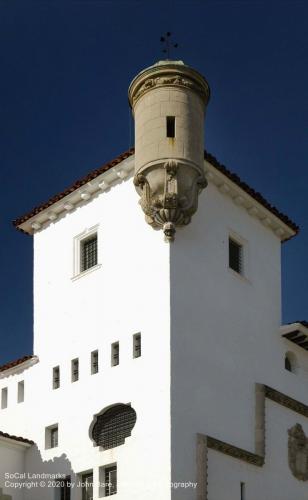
x,y
88,252
235,256
75,370
87,486
110,480
290,362
56,377
54,437
21,392
115,354
94,362
51,437
137,345
64,492
170,126
243,496
4,398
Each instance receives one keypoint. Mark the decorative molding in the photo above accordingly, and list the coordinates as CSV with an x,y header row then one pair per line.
x,y
235,452
297,446
286,401
170,198
173,80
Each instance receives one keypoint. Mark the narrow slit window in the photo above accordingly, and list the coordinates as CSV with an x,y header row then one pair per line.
x,y
115,354
243,496
94,362
21,392
170,125
4,398
56,377
137,345
75,370
88,253
235,256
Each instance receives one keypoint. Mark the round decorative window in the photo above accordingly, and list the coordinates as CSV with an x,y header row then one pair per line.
x,y
113,426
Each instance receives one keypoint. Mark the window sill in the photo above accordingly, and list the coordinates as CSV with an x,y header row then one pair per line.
x,y
238,275
85,273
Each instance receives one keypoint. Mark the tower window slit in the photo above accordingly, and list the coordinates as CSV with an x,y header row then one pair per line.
x,y
137,345
170,125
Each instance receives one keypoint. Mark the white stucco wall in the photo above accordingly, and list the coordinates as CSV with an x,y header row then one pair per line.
x,y
208,336
129,293
225,338
12,468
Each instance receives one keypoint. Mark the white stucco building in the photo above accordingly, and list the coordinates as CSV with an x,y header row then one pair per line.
x,y
160,368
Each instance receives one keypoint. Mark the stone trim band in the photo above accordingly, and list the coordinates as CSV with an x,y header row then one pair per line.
x,y
204,442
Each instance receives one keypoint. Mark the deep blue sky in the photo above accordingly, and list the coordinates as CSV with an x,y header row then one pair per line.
x,y
65,69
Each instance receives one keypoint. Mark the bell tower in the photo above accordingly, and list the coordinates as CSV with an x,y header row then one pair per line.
x,y
168,101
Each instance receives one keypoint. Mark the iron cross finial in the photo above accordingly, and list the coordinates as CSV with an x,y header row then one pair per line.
x,y
168,44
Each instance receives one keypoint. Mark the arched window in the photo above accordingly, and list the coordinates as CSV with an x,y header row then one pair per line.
x,y
290,362
113,426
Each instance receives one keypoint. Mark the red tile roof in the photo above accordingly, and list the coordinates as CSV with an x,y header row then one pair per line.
x,y
17,362
211,159
254,194
16,438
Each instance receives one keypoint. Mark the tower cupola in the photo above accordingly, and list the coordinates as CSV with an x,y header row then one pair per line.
x,y
168,101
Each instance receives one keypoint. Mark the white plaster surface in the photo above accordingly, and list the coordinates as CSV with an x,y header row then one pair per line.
x,y
208,336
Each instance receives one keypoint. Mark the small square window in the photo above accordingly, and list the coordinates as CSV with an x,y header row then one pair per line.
x,y
115,354
88,252
110,480
235,256
51,437
137,345
94,362
75,369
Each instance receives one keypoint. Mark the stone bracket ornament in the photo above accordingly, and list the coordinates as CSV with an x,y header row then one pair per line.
x,y
298,452
169,194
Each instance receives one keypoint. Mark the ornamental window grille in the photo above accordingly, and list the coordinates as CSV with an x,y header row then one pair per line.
x,y
113,426
65,488
88,252
75,370
87,486
137,345
94,362
235,256
115,354
110,480
56,377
